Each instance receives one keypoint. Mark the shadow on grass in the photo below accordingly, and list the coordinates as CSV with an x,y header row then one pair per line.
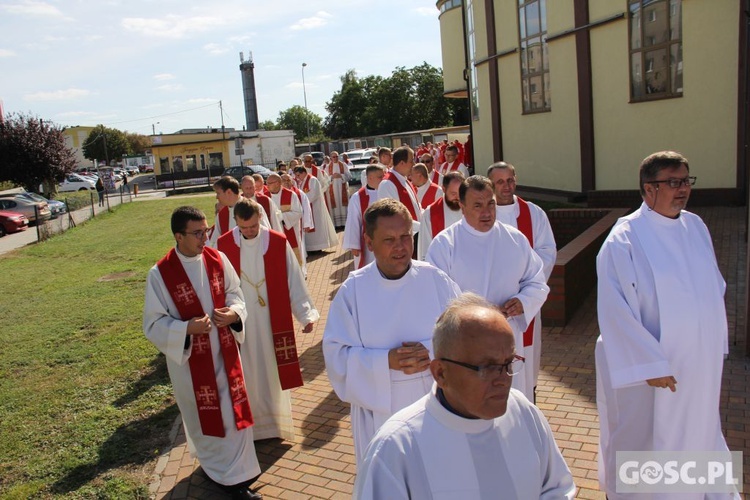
x,y
155,374
134,443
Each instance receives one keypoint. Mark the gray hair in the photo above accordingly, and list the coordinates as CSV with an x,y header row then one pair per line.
x,y
501,165
448,327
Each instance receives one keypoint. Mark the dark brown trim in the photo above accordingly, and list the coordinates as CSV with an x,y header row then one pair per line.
x,y
743,101
585,95
497,133
659,97
586,27
496,56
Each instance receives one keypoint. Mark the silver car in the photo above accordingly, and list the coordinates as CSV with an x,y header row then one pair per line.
x,y
27,206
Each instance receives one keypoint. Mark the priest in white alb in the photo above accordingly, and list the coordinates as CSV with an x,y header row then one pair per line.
x,y
194,314
270,213
291,215
532,221
443,213
274,290
396,184
323,235
472,436
378,338
337,193
663,325
493,260
354,231
228,193
427,192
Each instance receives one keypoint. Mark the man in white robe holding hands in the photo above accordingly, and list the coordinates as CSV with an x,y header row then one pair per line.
x,y
472,436
323,235
663,327
494,260
531,220
275,290
194,313
378,338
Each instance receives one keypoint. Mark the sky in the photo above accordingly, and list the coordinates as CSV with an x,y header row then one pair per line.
x,y
163,65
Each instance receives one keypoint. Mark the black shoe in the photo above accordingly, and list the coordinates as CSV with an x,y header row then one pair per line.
x,y
246,494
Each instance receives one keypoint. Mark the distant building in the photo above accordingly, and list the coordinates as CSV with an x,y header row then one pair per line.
x,y
74,139
577,92
192,156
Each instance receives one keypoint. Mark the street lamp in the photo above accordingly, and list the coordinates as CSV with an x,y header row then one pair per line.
x,y
307,112
153,128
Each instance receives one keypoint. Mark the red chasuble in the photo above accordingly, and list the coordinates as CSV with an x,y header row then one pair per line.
x,y
280,309
524,225
403,195
201,359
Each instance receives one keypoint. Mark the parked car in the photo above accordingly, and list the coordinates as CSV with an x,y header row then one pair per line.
x,y
146,168
239,172
318,157
56,207
358,170
12,222
132,170
27,206
74,182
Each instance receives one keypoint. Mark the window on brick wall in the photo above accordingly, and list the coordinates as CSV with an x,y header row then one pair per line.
x,y
532,30
655,49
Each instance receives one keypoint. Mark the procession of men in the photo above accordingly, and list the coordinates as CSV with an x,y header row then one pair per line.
x,y
435,337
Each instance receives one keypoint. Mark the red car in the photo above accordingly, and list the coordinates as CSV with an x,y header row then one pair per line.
x,y
12,222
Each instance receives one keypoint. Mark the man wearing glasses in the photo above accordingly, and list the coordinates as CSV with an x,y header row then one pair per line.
x,y
432,174
472,436
494,260
194,314
663,325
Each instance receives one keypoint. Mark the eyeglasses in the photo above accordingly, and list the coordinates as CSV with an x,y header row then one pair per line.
x,y
487,372
200,234
675,183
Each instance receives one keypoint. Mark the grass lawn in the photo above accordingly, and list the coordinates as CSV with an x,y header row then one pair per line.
x,y
86,399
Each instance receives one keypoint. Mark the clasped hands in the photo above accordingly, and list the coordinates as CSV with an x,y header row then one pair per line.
x,y
222,317
410,358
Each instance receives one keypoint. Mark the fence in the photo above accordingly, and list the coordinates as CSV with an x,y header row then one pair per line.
x,y
81,207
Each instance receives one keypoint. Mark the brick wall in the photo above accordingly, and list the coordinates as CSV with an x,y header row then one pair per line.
x,y
574,274
568,223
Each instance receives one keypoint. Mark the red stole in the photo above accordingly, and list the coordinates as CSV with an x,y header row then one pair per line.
x,y
286,201
306,189
265,202
223,216
403,195
282,326
429,196
435,177
364,202
524,225
344,188
449,167
201,360
437,216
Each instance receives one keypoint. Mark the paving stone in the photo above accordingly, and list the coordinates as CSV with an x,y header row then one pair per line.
x,y
319,463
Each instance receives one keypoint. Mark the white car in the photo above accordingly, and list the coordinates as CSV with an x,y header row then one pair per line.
x,y
74,182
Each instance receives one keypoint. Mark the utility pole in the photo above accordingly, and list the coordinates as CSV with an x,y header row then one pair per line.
x,y
307,112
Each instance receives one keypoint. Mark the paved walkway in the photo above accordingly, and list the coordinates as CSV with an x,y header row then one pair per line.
x,y
319,463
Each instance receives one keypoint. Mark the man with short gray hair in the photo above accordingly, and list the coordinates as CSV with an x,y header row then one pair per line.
x,y
472,436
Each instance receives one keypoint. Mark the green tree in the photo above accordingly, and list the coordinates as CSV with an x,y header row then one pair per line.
x,y
33,152
267,125
106,144
409,99
298,118
138,143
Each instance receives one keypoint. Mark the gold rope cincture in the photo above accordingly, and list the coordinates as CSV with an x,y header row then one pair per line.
x,y
257,288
